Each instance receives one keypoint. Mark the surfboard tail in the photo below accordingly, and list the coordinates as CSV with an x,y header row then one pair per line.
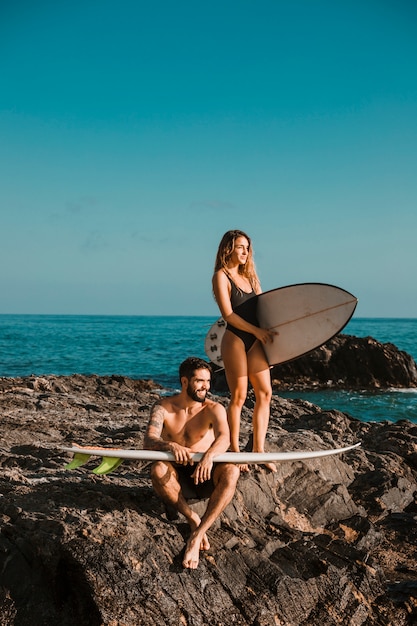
x,y
107,465
78,460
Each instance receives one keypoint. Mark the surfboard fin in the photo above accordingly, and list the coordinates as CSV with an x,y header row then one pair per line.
x,y
78,460
108,464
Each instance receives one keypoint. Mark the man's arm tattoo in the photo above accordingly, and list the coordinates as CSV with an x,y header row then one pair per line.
x,y
157,419
154,431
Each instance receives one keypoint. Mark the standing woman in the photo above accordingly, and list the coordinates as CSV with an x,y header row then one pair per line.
x,y
235,282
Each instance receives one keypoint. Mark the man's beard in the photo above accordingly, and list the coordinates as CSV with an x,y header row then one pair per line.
x,y
194,395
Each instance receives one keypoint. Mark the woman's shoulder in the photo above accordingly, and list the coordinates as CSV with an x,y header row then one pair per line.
x,y
221,277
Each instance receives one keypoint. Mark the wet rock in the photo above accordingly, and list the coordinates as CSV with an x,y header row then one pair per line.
x,y
325,541
348,362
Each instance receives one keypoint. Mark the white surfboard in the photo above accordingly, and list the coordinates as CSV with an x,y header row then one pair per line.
x,y
112,457
305,316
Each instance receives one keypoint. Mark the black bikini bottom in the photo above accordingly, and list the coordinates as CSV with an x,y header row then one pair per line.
x,y
247,338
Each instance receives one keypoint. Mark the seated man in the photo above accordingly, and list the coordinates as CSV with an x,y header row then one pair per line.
x,y
183,424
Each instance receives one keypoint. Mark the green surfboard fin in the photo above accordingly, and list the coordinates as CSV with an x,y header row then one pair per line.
x,y
78,460
108,464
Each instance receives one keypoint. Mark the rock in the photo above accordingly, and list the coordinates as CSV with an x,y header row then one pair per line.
x,y
326,541
344,362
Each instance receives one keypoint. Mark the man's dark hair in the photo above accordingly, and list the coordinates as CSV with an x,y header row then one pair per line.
x,y
190,365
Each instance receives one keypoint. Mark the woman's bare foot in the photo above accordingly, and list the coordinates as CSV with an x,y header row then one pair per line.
x,y
270,466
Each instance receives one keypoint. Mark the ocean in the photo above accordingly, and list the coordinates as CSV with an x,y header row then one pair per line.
x,y
144,347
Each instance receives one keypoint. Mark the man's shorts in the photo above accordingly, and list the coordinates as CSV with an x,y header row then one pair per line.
x,y
189,489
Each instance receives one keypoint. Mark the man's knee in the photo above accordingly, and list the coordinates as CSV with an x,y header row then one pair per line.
x,y
228,473
161,472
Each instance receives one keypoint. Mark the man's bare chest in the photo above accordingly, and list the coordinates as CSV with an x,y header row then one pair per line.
x,y
186,429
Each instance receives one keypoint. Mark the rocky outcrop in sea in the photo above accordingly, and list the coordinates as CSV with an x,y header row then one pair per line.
x,y
348,362
328,541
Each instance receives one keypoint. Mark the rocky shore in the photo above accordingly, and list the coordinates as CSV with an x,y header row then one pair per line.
x,y
322,542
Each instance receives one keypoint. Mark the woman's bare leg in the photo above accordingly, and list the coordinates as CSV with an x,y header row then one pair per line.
x,y
240,367
260,378
235,365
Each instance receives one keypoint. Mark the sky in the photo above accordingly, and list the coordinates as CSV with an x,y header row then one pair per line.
x,y
134,134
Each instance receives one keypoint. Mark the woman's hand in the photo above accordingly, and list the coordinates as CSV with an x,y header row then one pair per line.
x,y
266,335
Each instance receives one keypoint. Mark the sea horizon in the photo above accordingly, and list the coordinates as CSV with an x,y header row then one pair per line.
x,y
214,316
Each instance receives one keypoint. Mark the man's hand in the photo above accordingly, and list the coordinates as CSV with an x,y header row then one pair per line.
x,y
203,470
183,455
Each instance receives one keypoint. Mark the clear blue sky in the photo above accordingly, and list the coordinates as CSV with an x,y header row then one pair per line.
x,y
134,134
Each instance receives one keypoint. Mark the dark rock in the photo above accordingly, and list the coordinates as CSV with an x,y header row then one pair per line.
x,y
326,541
348,362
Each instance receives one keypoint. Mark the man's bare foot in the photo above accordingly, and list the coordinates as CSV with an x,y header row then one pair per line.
x,y
205,543
244,468
192,552
194,521
194,524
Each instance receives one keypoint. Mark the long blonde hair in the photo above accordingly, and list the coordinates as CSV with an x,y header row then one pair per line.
x,y
224,252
